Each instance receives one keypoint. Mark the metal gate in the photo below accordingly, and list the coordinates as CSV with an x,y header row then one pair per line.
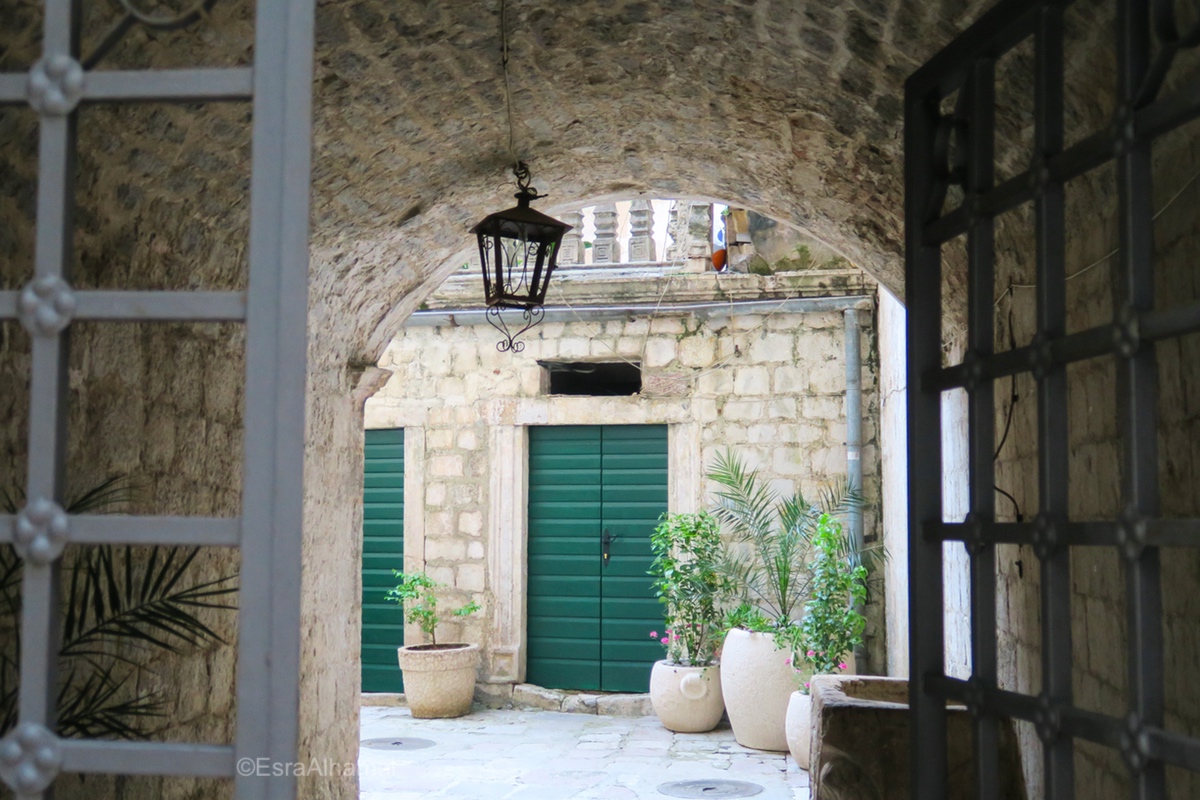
x,y
274,312
957,148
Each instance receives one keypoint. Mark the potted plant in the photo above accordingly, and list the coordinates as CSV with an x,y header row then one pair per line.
x,y
439,678
768,559
685,687
831,627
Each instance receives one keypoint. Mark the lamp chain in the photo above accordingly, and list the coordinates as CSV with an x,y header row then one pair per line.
x,y
518,165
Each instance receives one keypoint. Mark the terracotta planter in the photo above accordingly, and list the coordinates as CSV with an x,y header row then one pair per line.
x,y
439,679
799,728
757,683
686,699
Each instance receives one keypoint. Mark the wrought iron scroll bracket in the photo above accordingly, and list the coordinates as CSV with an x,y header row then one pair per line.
x,y
509,344
136,16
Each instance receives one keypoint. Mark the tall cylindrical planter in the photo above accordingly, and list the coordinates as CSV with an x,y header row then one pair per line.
x,y
799,728
757,682
439,679
686,699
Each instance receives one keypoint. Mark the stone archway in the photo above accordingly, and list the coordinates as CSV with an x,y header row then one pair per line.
x,y
788,109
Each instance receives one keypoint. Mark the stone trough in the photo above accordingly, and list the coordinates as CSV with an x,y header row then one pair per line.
x,y
860,749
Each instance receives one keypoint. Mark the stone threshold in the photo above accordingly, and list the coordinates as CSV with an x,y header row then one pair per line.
x,y
526,696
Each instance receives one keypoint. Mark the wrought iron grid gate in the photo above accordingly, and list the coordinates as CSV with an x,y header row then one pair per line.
x,y
958,149
274,312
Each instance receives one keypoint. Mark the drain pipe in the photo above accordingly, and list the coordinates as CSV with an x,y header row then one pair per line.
x,y
854,449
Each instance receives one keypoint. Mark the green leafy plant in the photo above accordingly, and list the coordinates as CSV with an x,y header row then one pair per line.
x,y
417,595
119,603
687,579
772,538
832,626
748,617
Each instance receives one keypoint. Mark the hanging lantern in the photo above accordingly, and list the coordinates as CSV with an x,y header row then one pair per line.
x,y
518,250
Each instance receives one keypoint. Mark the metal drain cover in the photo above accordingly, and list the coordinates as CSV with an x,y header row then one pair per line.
x,y
411,743
710,788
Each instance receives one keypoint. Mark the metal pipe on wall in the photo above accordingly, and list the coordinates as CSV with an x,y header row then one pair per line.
x,y
854,446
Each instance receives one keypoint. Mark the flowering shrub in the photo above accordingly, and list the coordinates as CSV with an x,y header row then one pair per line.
x,y
831,626
687,549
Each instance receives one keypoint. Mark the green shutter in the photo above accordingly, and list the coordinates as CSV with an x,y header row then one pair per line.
x,y
383,551
564,549
589,623
633,497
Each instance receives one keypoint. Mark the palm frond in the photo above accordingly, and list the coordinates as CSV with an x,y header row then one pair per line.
x,y
9,686
117,490
108,603
11,503
96,704
10,582
744,504
118,601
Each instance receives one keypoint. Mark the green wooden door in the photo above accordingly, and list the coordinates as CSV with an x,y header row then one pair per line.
x,y
589,621
383,551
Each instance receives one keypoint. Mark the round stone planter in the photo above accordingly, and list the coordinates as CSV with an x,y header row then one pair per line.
x,y
686,699
439,679
799,728
757,683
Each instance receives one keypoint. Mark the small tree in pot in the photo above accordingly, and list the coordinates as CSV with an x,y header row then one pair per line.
x,y
439,679
685,688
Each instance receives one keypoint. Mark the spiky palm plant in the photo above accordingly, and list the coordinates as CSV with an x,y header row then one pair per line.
x,y
773,537
119,602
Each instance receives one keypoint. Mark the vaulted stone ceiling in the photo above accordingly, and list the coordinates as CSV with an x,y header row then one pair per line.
x,y
789,108
792,109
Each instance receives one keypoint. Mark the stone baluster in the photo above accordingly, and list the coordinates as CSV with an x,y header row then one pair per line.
x,y
641,239
606,249
677,231
699,225
570,252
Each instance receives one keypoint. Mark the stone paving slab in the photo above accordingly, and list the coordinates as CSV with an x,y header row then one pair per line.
x,y
550,755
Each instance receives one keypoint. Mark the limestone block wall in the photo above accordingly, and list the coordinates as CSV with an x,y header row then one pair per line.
x,y
770,387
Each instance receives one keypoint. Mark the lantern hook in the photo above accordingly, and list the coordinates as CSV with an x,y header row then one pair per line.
x,y
523,176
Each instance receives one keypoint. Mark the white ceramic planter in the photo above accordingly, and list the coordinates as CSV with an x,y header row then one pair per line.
x,y
686,699
799,728
757,683
439,680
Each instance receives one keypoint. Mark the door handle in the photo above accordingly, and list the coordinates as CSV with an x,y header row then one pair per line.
x,y
606,541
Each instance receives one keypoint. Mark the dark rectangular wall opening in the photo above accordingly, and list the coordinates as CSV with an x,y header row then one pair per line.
x,y
594,378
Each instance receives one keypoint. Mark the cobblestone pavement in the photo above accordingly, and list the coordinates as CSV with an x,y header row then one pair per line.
x,y
547,755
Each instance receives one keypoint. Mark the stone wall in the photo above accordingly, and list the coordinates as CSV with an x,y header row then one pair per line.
x,y
769,386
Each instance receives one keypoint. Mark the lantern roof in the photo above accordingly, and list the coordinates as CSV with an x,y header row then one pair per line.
x,y
522,222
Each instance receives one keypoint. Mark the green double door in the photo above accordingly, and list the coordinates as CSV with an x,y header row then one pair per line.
x,y
383,551
595,496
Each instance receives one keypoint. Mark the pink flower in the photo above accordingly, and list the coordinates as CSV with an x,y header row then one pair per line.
x,y
788,662
842,665
664,641
653,634
811,653
806,684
